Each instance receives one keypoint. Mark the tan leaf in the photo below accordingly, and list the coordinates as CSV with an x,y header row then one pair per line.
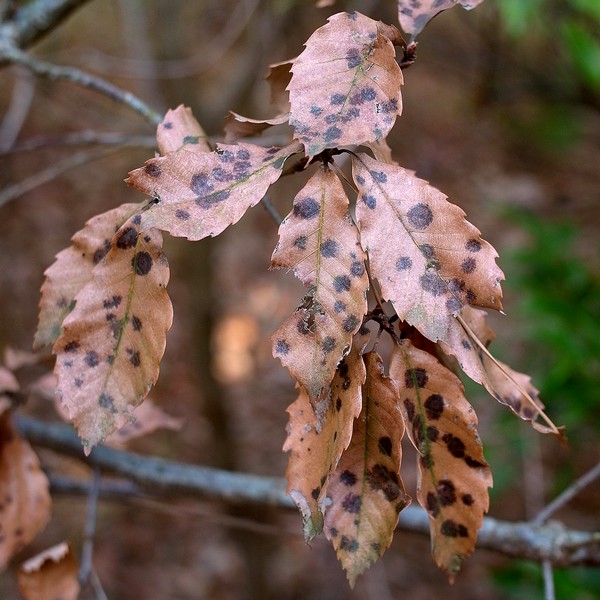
x,y
319,241
278,77
366,491
146,418
179,129
72,270
50,575
317,438
24,497
238,126
453,475
108,355
413,16
200,194
15,359
345,87
429,261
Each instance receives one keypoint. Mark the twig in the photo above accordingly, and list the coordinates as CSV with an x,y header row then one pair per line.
x,y
55,72
567,495
548,572
273,212
97,586
18,109
85,567
553,542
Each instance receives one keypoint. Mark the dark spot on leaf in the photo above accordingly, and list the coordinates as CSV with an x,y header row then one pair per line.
x,y
315,493
385,445
450,528
350,323
357,268
71,346
384,479
137,219
360,179
446,492
434,406
337,99
368,94
416,376
348,478
241,169
342,283
300,242
427,250
351,503
183,215
142,263
303,327
410,407
207,202
338,404
152,169
134,358
474,464
466,345
467,499
106,401
432,433
339,306
403,263
78,382
92,359
101,252
432,283
201,185
470,297
316,111
222,175
456,285
433,505
333,532
113,302
420,216
167,125
369,200
348,544
333,133
328,344
330,248
127,238
353,58
111,317
191,139
282,347
136,323
379,176
473,245
455,445
453,304
468,265
243,154
308,208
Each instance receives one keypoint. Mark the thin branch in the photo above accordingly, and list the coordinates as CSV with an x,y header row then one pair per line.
x,y
85,567
10,53
548,572
567,495
552,542
18,109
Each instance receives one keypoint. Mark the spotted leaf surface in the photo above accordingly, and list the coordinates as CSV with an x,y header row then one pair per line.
x,y
319,241
317,436
366,490
345,86
415,14
199,194
108,355
453,475
24,496
72,269
429,261
509,387
179,129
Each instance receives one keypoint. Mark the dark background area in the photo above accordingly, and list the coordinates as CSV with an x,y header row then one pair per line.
x,y
501,112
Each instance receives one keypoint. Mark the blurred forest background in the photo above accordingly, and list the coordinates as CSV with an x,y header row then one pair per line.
x,y
501,112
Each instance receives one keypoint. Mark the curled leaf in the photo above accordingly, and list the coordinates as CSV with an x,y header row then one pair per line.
x,y
108,355
319,241
413,16
278,77
238,126
345,87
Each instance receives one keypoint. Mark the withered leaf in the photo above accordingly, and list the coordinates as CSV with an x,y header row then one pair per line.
x,y
108,355
345,86
72,270
200,194
278,77
50,575
413,16
319,241
24,493
366,490
317,436
429,261
238,126
453,475
179,129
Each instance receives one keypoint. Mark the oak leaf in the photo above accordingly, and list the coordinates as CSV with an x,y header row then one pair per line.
x,y
429,261
345,86
413,16
366,491
319,241
50,575
72,270
179,129
196,195
453,474
24,496
108,355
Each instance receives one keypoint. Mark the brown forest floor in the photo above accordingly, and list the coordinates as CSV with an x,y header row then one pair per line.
x,y
471,104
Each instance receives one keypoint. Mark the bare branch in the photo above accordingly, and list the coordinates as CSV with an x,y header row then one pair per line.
x,y
550,542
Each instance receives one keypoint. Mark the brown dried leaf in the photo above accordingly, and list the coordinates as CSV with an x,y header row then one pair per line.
x,y
24,496
238,126
429,261
72,270
278,77
50,575
345,87
317,438
109,352
200,194
179,129
453,475
413,16
366,490
319,241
